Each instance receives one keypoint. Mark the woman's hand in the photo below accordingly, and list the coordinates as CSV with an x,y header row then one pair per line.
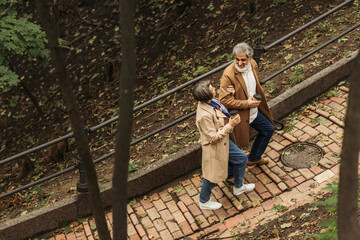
x,y
230,89
234,121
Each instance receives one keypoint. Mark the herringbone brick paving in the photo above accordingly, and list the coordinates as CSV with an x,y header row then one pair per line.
x,y
173,213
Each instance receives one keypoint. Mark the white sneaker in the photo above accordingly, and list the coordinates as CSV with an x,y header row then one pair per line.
x,y
243,188
210,205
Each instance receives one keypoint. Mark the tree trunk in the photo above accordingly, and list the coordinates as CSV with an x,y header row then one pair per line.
x,y
126,104
26,167
252,6
348,227
76,123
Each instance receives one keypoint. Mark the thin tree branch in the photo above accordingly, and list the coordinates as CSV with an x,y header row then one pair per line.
x,y
6,10
26,90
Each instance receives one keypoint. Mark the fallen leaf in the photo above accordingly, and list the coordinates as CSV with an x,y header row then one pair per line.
x,y
285,225
306,113
255,203
339,135
296,233
215,49
288,56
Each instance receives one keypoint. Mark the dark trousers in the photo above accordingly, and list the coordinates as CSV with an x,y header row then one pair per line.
x,y
265,130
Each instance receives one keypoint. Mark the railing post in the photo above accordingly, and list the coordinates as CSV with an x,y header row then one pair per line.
x,y
258,50
82,186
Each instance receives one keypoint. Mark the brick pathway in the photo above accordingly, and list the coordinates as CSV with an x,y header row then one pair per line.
x,y
173,213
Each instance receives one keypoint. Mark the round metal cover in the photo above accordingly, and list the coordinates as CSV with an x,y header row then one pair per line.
x,y
301,155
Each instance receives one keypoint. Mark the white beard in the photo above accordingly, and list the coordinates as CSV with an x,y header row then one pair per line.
x,y
244,69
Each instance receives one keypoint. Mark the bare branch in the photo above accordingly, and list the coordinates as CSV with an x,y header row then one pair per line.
x,y
6,10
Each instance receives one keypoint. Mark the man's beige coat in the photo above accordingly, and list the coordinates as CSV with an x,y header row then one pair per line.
x,y
239,101
214,139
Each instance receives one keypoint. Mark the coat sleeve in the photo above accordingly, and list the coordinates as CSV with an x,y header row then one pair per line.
x,y
226,99
209,131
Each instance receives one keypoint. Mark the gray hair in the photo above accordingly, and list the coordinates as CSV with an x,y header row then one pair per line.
x,y
202,92
243,48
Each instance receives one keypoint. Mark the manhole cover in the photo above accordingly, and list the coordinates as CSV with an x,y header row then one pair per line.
x,y
301,155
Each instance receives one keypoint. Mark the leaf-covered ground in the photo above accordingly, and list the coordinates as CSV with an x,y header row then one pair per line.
x,y
176,41
315,220
308,221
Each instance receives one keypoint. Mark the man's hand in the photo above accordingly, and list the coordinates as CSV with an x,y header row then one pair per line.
x,y
234,121
230,89
252,103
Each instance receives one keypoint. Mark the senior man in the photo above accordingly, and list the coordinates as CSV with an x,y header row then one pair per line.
x,y
238,85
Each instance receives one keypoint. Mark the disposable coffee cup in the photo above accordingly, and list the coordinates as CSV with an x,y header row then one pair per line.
x,y
233,113
256,97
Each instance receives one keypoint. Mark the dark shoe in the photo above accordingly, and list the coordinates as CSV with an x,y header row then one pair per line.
x,y
230,180
259,162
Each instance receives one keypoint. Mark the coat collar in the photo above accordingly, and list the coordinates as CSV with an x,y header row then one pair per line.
x,y
241,80
206,107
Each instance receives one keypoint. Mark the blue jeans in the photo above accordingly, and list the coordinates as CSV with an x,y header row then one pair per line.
x,y
205,192
237,166
265,129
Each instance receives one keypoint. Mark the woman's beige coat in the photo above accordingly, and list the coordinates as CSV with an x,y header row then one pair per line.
x,y
214,139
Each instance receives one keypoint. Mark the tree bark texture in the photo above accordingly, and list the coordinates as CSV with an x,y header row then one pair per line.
x,y
76,122
348,227
126,104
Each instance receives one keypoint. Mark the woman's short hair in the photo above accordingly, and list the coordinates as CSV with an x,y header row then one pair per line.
x,y
202,92
243,48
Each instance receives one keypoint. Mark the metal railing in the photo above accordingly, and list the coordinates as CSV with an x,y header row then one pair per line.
x,y
306,25
310,53
258,50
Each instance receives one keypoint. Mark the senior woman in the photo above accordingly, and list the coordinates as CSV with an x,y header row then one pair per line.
x,y
214,124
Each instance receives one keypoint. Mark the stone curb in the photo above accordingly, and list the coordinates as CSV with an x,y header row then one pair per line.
x,y
311,87
170,168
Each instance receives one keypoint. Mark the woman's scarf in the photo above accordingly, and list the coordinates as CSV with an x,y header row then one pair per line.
x,y
217,105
